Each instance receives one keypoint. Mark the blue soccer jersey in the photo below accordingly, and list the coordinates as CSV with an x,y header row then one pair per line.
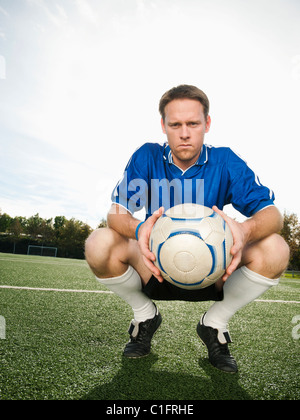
x,y
219,177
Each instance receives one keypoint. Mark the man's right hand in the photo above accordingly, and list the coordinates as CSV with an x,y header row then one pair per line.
x,y
143,241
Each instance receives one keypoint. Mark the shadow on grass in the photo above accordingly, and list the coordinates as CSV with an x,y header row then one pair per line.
x,y
138,380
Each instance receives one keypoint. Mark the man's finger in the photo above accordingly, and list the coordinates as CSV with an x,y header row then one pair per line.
x,y
222,214
154,270
158,213
232,267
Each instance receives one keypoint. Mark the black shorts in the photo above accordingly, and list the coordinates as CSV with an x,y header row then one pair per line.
x,y
167,291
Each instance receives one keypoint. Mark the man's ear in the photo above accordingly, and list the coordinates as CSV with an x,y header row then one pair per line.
x,y
208,124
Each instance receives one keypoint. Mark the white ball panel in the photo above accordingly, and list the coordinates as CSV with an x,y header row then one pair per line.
x,y
184,261
211,230
198,250
189,211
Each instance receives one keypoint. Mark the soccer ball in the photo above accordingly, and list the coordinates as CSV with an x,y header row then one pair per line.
x,y
192,245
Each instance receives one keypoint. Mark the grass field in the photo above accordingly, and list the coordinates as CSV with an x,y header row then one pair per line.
x,y
67,345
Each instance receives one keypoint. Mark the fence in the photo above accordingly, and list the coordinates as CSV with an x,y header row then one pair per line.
x,y
293,273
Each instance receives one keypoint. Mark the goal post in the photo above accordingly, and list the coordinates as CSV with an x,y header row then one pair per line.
x,y
44,251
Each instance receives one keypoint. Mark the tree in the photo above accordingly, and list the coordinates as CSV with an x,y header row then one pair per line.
x,y
102,224
291,233
59,224
72,238
5,221
47,231
34,225
15,230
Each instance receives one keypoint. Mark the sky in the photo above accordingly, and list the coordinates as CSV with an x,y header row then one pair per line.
x,y
80,83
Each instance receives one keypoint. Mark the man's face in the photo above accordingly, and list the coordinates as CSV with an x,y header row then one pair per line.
x,y
185,126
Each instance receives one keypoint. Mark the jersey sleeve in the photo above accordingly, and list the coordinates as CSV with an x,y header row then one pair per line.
x,y
131,192
245,191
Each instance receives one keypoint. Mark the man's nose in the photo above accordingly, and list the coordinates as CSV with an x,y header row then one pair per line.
x,y
184,134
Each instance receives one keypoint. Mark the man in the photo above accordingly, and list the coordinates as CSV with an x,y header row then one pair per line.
x,y
120,257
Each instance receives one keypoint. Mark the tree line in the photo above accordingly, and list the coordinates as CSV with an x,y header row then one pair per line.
x,y
291,233
69,235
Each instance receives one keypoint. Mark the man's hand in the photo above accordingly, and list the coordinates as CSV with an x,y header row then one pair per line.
x,y
240,239
143,240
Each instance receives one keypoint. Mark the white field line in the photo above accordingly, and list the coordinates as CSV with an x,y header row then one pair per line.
x,y
50,262
276,301
42,289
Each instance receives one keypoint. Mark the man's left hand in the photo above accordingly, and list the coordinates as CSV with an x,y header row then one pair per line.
x,y
239,241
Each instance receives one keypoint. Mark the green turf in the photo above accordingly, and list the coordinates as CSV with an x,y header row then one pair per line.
x,y
62,345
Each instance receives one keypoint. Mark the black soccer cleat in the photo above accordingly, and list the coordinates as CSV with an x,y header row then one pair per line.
x,y
141,334
218,353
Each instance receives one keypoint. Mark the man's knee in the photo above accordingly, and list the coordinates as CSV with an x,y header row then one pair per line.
x,y
270,256
99,250
279,249
96,247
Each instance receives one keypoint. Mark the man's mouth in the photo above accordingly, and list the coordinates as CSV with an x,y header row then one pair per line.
x,y
184,146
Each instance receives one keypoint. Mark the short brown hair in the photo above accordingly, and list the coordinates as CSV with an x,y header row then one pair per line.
x,y
183,92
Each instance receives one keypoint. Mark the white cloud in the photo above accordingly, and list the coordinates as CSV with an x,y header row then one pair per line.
x,y
61,11
58,19
87,11
4,12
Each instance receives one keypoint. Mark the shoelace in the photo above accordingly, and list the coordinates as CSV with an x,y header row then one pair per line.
x,y
142,334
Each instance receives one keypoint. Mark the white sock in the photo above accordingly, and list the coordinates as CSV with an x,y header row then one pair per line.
x,y
241,288
128,287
